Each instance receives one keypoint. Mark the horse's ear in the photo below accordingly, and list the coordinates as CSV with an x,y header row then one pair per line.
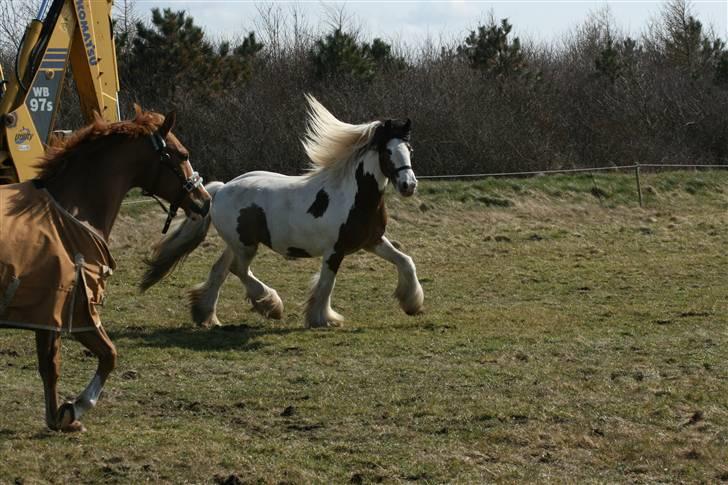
x,y
137,109
168,124
408,125
388,124
98,118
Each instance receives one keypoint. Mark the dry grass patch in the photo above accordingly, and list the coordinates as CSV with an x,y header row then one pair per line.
x,y
564,340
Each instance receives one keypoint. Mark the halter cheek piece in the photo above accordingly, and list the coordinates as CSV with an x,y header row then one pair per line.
x,y
189,184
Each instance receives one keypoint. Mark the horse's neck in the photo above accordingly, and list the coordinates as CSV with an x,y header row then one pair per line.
x,y
92,190
368,175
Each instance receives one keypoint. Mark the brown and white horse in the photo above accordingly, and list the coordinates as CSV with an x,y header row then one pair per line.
x,y
336,209
53,232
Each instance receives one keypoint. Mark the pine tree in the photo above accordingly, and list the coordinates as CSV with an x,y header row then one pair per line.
x,y
490,51
339,54
172,59
616,59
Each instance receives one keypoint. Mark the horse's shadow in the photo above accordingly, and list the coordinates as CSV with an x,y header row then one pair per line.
x,y
240,337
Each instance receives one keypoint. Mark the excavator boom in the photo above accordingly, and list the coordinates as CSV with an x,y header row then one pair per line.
x,y
73,32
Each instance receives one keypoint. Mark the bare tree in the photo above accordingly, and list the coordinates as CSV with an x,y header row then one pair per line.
x,y
14,18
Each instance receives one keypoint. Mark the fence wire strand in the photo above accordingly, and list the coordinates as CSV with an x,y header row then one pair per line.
x,y
533,172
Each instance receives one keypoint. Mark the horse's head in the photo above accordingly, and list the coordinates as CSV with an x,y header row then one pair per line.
x,y
172,177
395,154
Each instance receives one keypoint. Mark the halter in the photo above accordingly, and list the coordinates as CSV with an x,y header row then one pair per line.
x,y
189,184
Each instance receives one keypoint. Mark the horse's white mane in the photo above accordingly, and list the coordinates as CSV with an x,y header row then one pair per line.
x,y
330,143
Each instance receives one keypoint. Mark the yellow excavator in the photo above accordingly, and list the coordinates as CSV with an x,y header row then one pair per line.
x,y
65,32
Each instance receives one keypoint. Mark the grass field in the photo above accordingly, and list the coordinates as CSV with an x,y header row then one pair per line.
x,y
569,336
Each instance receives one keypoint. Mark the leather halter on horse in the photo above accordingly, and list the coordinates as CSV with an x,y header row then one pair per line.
x,y
189,184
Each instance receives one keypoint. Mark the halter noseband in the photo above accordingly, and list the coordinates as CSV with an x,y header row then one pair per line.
x,y
189,184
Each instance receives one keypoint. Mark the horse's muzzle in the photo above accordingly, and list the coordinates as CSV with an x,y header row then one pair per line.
x,y
407,189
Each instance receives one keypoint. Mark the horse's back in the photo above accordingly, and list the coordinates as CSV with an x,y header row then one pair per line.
x,y
265,177
279,210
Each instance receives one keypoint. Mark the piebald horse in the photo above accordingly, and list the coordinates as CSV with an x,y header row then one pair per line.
x,y
333,210
54,258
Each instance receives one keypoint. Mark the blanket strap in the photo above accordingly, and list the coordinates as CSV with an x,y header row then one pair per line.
x,y
79,262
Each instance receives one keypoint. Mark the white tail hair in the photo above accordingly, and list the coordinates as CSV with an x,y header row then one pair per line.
x,y
185,236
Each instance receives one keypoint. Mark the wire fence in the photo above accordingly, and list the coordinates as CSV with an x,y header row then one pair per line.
x,y
637,167
567,170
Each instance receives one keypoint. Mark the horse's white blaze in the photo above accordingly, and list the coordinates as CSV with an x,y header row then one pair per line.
x,y
400,155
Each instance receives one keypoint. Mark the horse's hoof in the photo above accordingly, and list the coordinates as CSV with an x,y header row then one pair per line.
x,y
270,305
66,415
211,322
74,427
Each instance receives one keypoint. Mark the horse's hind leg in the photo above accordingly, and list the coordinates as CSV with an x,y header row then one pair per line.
x,y
318,307
409,291
99,343
48,347
203,297
265,300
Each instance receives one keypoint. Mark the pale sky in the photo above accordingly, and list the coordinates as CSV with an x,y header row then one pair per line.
x,y
412,21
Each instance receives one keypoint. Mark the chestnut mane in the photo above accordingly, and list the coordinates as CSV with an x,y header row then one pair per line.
x,y
62,152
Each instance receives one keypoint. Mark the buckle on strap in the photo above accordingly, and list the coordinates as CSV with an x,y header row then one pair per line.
x,y
192,182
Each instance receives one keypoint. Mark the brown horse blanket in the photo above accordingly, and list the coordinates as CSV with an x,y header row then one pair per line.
x,y
52,266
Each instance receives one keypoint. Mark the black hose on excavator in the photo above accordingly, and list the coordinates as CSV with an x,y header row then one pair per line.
x,y
18,77
49,23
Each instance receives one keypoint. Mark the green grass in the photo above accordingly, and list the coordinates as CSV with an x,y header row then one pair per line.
x,y
566,338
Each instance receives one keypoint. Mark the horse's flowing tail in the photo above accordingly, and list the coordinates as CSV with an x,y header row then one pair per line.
x,y
184,237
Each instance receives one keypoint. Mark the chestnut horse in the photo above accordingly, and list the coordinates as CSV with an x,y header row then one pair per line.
x,y
334,210
53,232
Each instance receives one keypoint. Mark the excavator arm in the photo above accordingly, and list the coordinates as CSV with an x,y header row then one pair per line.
x,y
73,32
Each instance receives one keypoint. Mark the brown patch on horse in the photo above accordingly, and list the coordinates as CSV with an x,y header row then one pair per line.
x,y
366,222
62,151
319,205
386,165
253,226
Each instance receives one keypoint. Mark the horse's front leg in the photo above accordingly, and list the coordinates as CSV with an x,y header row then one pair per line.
x,y
318,307
409,291
99,343
48,347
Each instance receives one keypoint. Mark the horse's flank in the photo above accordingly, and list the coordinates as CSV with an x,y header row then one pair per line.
x,y
63,150
332,145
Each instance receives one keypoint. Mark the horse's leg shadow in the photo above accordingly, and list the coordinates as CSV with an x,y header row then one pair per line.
x,y
409,291
265,300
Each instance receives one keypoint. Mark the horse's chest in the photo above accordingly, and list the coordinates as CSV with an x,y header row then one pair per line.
x,y
366,221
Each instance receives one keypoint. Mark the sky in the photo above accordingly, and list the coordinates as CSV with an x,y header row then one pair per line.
x,y
413,21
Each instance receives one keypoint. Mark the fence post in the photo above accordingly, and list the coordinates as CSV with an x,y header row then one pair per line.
x,y
637,177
